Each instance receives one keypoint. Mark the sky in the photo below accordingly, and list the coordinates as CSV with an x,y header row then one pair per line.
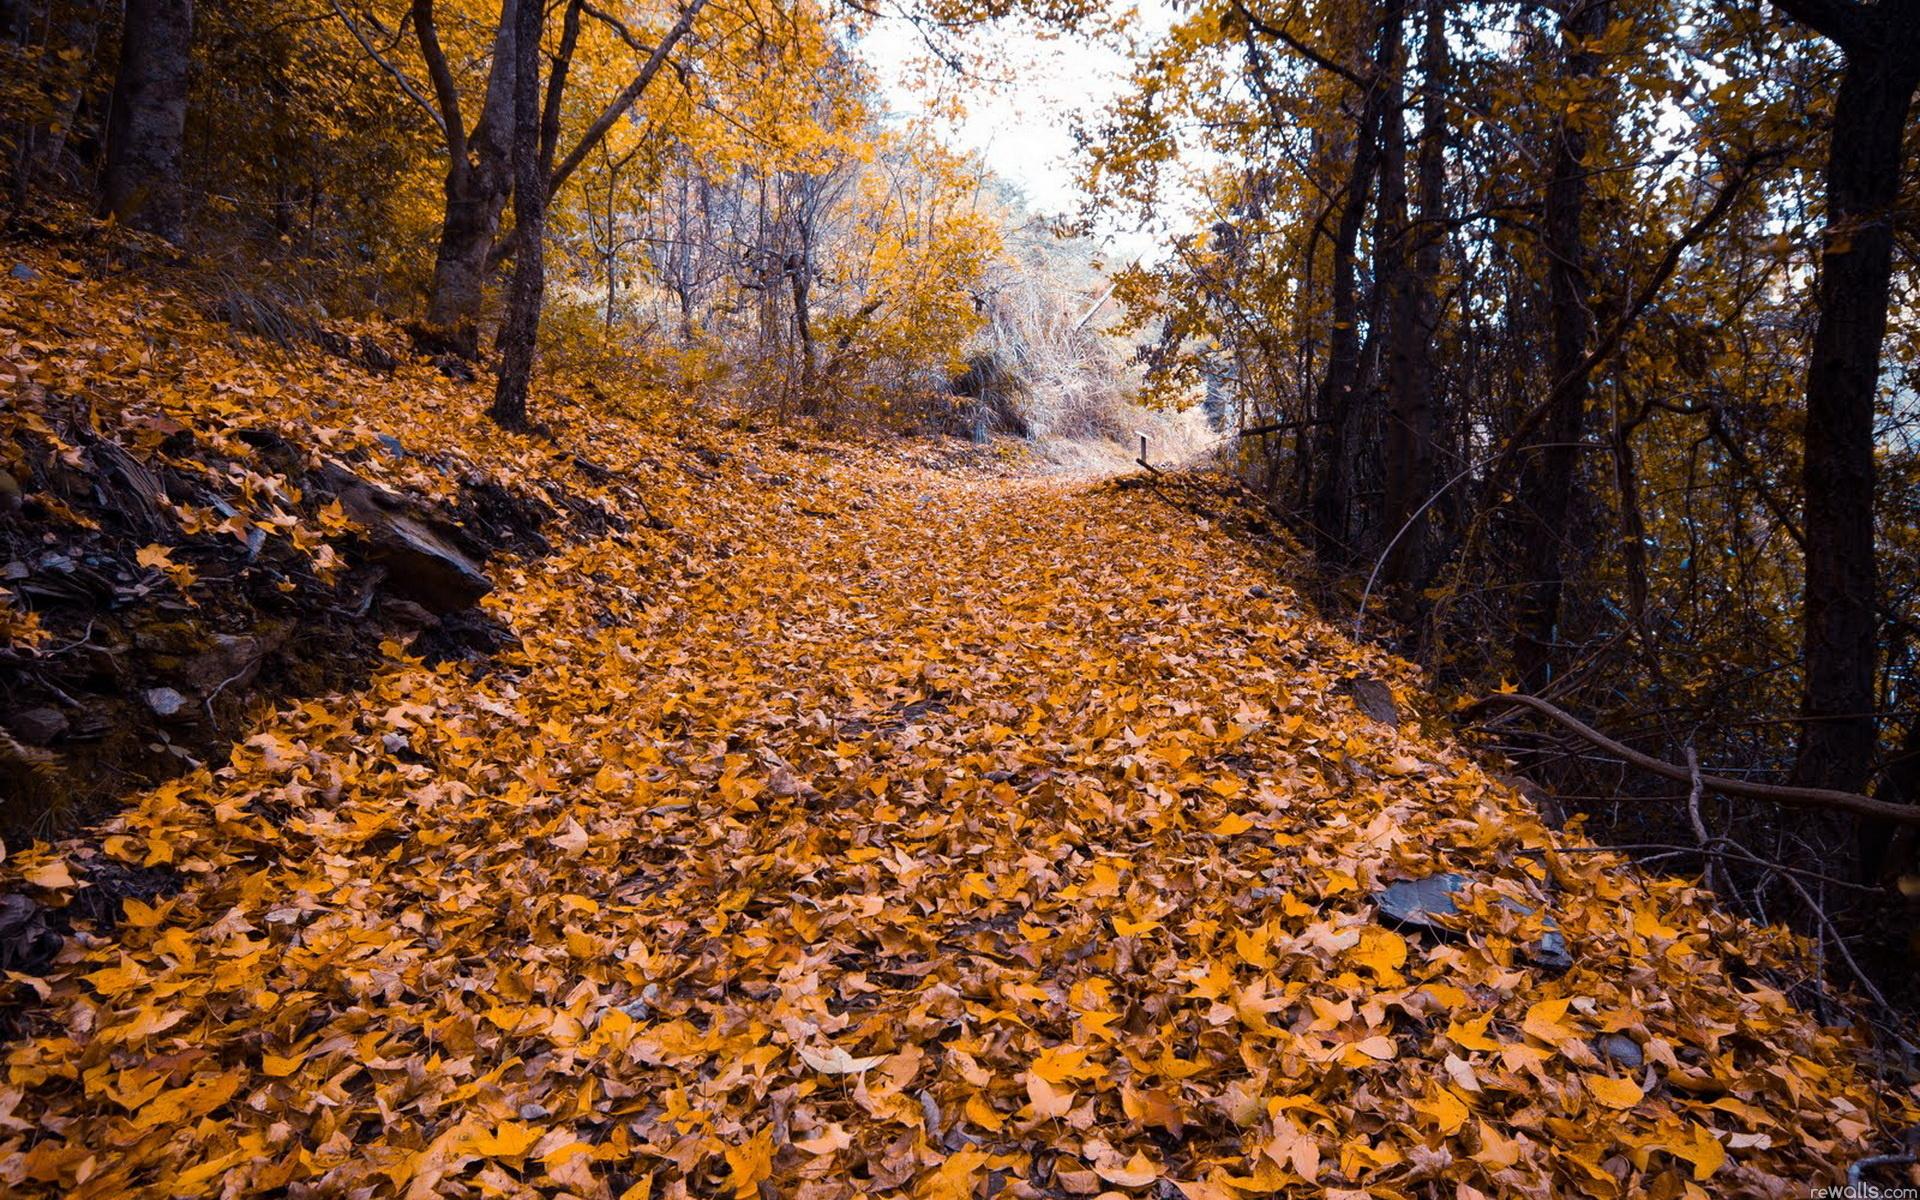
x,y
1022,126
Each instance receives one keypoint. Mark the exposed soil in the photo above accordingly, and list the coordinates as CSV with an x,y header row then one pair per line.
x,y
137,681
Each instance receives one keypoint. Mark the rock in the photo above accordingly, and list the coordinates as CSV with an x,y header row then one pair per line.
x,y
375,357
24,273
230,661
391,445
1621,1049
1552,813
1418,902
421,565
38,726
27,944
1258,592
408,613
1374,699
164,702
1426,903
1550,952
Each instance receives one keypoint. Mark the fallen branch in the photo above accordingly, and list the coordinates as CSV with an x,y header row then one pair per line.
x,y
1796,797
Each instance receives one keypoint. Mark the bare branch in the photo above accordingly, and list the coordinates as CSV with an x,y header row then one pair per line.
x,y
1280,34
624,101
1796,797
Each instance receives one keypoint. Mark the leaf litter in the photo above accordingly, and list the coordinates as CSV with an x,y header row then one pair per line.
x,y
899,828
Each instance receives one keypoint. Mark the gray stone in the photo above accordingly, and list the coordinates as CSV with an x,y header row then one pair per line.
x,y
27,943
420,564
1419,902
391,445
24,273
164,702
1375,699
1620,1048
1550,953
38,726
1426,903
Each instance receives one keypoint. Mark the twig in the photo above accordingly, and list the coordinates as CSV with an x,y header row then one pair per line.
x,y
1856,1173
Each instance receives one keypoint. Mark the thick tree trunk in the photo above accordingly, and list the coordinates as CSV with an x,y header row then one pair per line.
x,y
1544,495
479,180
520,336
143,186
1839,737
1335,397
1410,431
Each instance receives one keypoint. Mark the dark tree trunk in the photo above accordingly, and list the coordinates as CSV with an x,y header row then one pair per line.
x,y
800,269
479,179
1840,736
147,124
520,335
1410,430
1334,399
1544,494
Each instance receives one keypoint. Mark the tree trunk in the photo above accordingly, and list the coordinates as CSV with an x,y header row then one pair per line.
x,y
799,267
520,336
1334,399
1839,738
478,182
1416,317
1544,494
143,186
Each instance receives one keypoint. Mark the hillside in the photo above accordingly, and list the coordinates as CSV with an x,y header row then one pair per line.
x,y
821,816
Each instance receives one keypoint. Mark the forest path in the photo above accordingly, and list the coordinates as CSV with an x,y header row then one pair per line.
x,y
891,829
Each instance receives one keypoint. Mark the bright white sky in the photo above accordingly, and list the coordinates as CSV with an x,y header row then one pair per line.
x,y
1022,127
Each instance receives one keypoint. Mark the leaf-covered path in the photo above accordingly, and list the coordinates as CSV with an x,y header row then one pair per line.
x,y
886,828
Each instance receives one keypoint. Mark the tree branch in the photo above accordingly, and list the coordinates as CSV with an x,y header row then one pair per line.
x,y
1796,797
625,100
1278,33
428,33
1610,338
406,85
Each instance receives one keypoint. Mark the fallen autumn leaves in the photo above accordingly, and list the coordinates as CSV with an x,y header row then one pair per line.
x,y
884,829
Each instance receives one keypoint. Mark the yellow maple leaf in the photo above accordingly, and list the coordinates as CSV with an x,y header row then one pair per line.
x,y
1614,1093
509,1139
749,1163
52,875
1545,1021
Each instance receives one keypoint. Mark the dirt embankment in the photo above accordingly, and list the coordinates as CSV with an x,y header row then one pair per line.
x,y
174,553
